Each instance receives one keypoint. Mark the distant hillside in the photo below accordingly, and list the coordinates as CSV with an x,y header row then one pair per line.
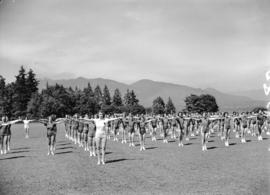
x,y
256,94
147,90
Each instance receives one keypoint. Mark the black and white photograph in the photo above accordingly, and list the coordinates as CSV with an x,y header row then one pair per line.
x,y
135,97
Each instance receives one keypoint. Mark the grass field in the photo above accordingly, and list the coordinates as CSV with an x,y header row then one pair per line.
x,y
161,169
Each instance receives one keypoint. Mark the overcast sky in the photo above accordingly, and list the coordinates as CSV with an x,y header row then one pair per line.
x,y
200,43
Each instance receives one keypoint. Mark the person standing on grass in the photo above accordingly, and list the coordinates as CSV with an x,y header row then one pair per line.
x,y
228,124
205,128
85,134
5,134
51,125
26,123
244,125
131,130
101,136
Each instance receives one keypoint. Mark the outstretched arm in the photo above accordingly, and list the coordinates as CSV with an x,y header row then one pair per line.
x,y
14,121
59,120
43,121
112,119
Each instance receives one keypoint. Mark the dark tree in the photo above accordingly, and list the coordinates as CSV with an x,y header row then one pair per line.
x,y
170,108
31,82
257,109
98,97
127,98
202,103
158,106
117,99
34,105
106,98
133,99
21,94
2,95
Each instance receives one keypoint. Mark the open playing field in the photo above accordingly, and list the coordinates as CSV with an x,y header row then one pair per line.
x,y
161,169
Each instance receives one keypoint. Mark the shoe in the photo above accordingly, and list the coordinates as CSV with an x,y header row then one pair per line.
x,y
5,151
102,162
48,153
141,149
133,144
2,152
98,163
93,154
226,143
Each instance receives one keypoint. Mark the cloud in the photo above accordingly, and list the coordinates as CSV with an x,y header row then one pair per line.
x,y
198,43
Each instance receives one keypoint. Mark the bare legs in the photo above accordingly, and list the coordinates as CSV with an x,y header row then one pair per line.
x,y
101,146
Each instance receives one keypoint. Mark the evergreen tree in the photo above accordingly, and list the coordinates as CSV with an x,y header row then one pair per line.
x,y
2,95
31,82
98,98
106,98
88,91
158,106
21,95
117,99
127,98
34,105
170,108
9,103
98,95
133,99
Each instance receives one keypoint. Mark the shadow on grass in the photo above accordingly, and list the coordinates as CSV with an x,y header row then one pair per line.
x,y
265,138
23,148
248,140
211,148
192,138
232,144
62,141
117,160
171,141
63,144
151,148
67,152
16,152
108,152
14,157
211,141
187,144
68,147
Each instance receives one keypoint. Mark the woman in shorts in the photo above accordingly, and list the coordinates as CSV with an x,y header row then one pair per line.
x,y
51,126
5,134
101,136
26,125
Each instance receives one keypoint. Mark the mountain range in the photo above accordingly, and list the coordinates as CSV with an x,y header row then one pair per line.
x,y
147,90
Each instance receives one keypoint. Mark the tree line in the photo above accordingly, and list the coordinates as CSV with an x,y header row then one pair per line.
x,y
22,98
